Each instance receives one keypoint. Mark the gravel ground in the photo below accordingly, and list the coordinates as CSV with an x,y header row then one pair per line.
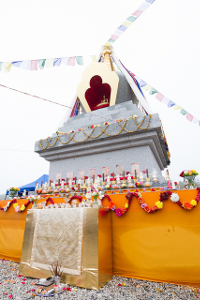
x,y
13,286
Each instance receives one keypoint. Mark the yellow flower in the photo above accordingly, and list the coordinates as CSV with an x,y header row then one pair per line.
x,y
22,207
15,205
159,204
190,173
124,284
193,202
126,205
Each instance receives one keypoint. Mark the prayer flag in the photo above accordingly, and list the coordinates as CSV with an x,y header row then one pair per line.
x,y
183,112
147,87
131,19
159,96
49,62
171,103
41,63
16,64
176,107
114,37
7,66
189,117
111,41
25,65
122,28
79,60
150,1
118,32
143,6
125,23
64,60
57,62
152,91
165,100
137,13
71,61
195,120
34,64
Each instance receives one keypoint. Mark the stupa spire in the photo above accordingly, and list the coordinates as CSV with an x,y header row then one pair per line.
x,y
106,54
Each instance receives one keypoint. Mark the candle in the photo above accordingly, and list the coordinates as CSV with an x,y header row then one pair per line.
x,y
135,174
79,187
124,174
93,178
103,177
147,173
49,183
58,181
75,180
41,183
113,176
84,179
67,181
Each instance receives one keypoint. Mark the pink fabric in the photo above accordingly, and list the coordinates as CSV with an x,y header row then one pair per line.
x,y
114,37
189,117
34,65
71,61
159,96
137,13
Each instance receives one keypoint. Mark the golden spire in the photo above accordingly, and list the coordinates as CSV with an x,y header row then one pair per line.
x,y
106,53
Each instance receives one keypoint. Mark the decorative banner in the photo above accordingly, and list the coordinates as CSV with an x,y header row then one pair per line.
x,y
124,26
39,64
165,100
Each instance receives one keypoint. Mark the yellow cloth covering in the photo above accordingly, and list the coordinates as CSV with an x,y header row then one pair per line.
x,y
163,246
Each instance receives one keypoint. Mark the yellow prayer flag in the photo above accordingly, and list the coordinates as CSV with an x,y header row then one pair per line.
x,y
147,87
127,24
49,62
176,107
7,66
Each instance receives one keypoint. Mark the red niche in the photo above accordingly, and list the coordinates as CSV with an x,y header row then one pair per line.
x,y
98,95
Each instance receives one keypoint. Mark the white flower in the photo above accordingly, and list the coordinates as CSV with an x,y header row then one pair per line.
x,y
5,209
101,196
174,197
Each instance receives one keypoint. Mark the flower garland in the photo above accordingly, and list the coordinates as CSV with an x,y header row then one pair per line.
x,y
16,205
118,211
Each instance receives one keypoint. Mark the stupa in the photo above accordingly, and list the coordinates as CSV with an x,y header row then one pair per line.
x,y
111,127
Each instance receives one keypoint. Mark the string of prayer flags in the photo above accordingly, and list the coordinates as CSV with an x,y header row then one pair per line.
x,y
132,18
160,97
39,64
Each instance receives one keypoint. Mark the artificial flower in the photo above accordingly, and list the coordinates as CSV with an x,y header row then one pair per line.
x,y
17,208
22,208
154,208
187,205
147,209
15,205
174,197
140,200
143,205
159,204
118,212
126,205
193,202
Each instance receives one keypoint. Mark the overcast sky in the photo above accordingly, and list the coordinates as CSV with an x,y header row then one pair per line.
x,y
162,47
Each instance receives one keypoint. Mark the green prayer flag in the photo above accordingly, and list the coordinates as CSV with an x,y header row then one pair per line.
x,y
41,63
79,60
111,40
131,19
183,112
152,91
1,66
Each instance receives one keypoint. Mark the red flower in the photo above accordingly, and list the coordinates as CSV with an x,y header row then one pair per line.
x,y
147,209
86,177
99,176
153,190
187,205
119,284
68,289
154,208
181,175
118,212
